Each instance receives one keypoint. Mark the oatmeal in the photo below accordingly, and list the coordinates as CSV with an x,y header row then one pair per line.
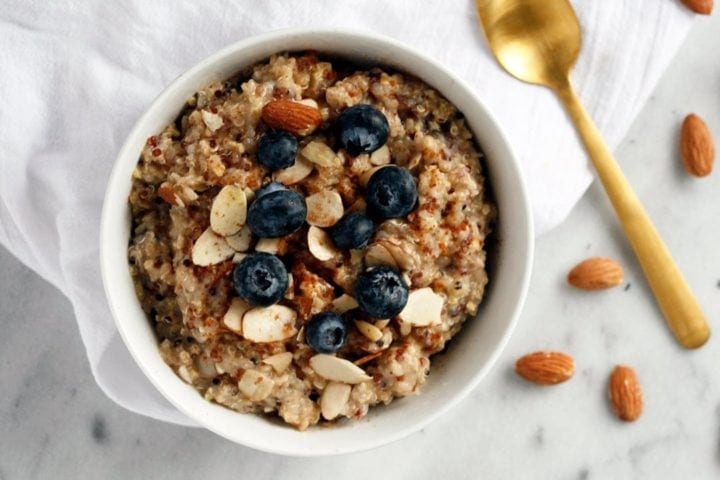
x,y
305,236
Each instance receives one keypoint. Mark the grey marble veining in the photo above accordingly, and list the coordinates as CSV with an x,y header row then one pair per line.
x,y
55,423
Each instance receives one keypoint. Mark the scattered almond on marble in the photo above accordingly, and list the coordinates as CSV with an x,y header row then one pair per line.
x,y
210,249
337,369
625,393
240,241
333,399
294,173
255,385
279,362
369,331
295,117
234,315
545,368
324,208
269,324
229,211
703,7
596,273
344,303
320,154
423,308
320,244
697,148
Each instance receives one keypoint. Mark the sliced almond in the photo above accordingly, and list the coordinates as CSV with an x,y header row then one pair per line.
x,y
344,303
295,173
424,307
241,240
255,385
213,121
319,153
229,210
320,244
382,323
309,102
269,245
279,362
405,328
337,369
381,156
377,254
269,324
249,194
370,331
403,259
365,176
324,208
238,257
333,399
233,316
210,249
185,374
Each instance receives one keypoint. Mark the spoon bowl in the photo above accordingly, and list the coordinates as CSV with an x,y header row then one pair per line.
x,y
538,41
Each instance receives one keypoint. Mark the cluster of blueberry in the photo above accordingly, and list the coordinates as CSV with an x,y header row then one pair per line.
x,y
261,279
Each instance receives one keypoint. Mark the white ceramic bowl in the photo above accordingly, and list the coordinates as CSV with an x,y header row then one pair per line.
x,y
453,374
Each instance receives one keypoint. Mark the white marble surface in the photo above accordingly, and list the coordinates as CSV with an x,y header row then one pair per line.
x,y
55,423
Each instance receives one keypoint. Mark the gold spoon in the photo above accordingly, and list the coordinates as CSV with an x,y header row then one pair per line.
x,y
538,41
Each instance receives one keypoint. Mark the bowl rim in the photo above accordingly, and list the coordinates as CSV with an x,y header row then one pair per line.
x,y
525,229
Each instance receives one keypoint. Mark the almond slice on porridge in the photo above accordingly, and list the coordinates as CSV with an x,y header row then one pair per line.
x,y
320,154
279,362
295,173
229,211
234,315
324,208
333,399
241,240
269,324
210,249
338,369
423,308
320,245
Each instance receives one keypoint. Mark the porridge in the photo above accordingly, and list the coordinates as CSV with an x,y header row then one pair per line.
x,y
306,235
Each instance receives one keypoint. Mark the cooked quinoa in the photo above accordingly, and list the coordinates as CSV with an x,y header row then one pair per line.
x,y
440,245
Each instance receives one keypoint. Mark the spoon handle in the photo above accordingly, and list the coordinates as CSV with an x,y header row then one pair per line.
x,y
676,300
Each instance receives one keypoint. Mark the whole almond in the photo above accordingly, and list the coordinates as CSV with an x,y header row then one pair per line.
x,y
699,6
696,146
596,273
545,368
625,393
293,117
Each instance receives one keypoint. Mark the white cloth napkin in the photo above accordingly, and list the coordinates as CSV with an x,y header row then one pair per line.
x,y
75,75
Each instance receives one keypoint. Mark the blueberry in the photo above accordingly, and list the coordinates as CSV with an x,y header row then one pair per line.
x,y
352,231
391,193
362,129
277,149
326,332
381,292
276,214
269,188
260,279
